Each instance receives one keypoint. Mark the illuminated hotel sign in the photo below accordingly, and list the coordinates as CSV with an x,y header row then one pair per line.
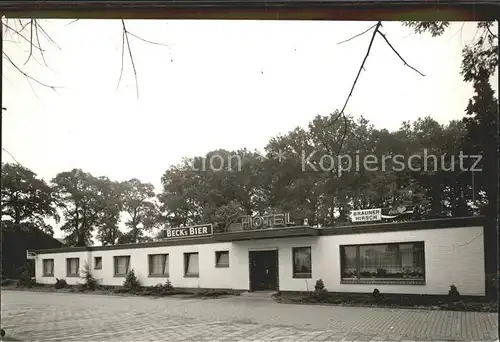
x,y
266,221
194,231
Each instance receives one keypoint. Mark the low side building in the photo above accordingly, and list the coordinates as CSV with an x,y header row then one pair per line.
x,y
421,257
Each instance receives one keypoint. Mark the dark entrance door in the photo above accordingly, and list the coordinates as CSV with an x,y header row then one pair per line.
x,y
263,270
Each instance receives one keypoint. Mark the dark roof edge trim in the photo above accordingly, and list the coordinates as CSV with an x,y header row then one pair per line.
x,y
340,230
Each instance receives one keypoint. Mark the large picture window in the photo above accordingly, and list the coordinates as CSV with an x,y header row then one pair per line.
x,y
73,267
48,267
122,265
191,265
158,265
302,266
383,263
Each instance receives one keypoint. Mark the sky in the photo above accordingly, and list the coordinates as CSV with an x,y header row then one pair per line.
x,y
213,84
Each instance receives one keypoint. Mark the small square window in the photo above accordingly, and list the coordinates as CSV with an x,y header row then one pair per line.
x,y
98,263
222,259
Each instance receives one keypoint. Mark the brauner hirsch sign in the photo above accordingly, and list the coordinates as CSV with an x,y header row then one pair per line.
x,y
194,231
366,215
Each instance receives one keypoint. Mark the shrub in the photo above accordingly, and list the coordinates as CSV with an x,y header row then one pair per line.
x,y
453,293
131,283
320,291
90,282
376,295
25,279
163,289
60,284
320,285
8,282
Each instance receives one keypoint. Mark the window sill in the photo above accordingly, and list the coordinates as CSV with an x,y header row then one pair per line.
x,y
97,268
192,275
119,275
384,281
302,276
48,275
158,276
73,276
222,266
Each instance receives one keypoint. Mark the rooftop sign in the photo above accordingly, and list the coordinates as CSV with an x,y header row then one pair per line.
x,y
266,221
366,215
194,231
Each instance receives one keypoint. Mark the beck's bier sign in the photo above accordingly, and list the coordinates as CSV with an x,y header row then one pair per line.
x,y
366,215
194,231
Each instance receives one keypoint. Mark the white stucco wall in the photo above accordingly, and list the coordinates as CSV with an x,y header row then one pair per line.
x,y
452,256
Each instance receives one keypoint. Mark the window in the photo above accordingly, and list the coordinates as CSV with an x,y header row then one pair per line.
x,y
386,263
97,263
73,267
158,265
191,265
302,266
122,265
222,259
48,267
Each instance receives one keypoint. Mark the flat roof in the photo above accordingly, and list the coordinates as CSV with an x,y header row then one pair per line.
x,y
288,232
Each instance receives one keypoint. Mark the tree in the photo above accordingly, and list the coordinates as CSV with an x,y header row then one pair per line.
x,y
479,64
142,211
111,195
27,199
79,195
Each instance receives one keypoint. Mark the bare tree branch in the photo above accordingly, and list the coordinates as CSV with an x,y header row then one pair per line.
x,y
125,39
345,41
123,53
72,22
26,75
10,154
393,49
377,27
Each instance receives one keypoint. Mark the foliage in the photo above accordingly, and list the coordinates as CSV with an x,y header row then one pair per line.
x,y
131,283
60,284
479,65
26,275
142,211
415,301
26,198
377,296
162,289
90,282
453,293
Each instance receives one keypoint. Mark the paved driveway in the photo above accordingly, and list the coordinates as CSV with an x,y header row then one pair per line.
x,y
38,316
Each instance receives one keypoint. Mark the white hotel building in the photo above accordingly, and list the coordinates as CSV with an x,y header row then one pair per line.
x,y
419,257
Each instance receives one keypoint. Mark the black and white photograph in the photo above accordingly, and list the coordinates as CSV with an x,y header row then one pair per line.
x,y
252,171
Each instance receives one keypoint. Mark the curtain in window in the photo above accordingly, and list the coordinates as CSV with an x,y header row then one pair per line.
x,y
158,264
122,264
73,266
349,262
48,267
165,264
192,263
302,260
223,258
